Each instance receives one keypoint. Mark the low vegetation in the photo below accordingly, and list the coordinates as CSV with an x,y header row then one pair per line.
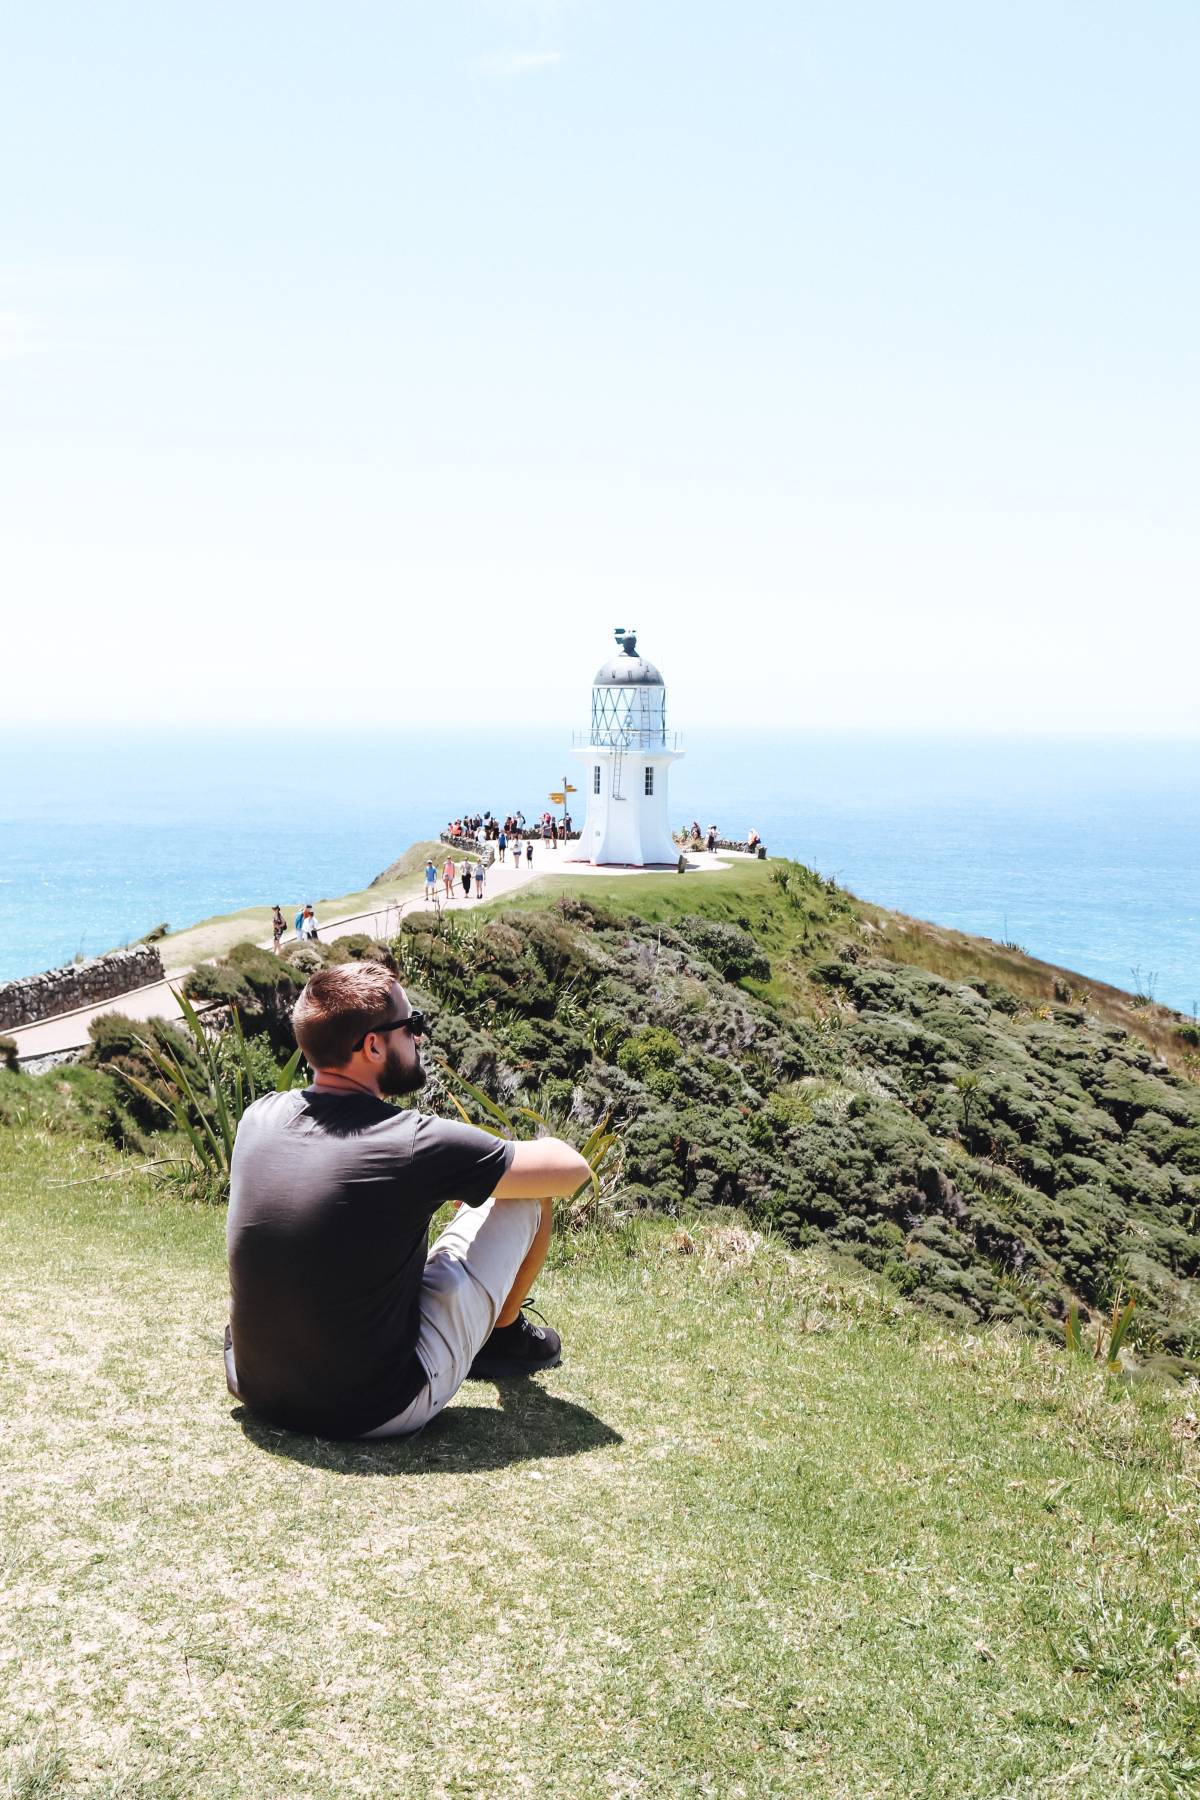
x,y
994,1154
997,1159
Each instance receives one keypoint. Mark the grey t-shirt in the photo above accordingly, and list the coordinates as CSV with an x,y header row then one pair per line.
x,y
329,1207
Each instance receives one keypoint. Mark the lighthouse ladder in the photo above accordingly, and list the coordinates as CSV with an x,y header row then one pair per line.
x,y
618,758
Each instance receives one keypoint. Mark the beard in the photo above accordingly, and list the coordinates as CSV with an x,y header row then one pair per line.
x,y
397,1077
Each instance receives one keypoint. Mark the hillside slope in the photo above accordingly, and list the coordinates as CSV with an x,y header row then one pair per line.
x,y
994,1138
770,1043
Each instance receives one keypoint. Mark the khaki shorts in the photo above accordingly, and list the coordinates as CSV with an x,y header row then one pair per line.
x,y
469,1274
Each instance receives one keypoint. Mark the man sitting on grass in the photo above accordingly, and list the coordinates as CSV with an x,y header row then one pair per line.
x,y
343,1322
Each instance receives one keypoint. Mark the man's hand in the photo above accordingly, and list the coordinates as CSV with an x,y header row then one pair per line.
x,y
546,1169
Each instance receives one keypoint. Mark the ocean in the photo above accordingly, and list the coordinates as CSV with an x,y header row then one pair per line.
x,y
1086,852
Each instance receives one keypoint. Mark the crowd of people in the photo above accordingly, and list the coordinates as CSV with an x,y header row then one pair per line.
x,y
509,832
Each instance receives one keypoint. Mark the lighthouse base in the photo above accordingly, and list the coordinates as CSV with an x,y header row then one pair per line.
x,y
626,824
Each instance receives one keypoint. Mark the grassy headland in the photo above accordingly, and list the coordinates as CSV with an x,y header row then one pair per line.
x,y
818,1500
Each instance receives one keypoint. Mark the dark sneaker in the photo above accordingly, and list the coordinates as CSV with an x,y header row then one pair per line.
x,y
521,1348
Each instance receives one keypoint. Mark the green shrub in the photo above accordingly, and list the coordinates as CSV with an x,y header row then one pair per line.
x,y
216,982
264,986
729,949
652,1051
119,1048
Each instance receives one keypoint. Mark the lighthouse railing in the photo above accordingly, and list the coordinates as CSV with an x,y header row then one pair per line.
x,y
626,737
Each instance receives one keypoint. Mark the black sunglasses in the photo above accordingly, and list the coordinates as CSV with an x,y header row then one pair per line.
x,y
415,1023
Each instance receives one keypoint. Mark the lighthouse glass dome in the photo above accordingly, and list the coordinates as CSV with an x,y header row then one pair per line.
x,y
629,701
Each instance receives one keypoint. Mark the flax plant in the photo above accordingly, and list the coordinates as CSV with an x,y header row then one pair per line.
x,y
207,1112
600,1149
1099,1350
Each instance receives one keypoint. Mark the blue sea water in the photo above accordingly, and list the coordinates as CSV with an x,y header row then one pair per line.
x,y
1086,852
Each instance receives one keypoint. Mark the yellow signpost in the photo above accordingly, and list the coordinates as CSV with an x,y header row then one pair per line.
x,y
559,796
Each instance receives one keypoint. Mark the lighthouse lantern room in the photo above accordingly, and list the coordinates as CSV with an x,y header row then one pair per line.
x,y
627,759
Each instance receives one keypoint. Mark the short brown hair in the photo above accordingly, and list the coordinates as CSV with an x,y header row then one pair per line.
x,y
337,1007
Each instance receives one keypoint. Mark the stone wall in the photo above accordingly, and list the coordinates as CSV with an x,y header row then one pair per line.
x,y
37,997
760,850
688,842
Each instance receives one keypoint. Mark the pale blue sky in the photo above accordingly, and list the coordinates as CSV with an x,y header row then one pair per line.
x,y
423,332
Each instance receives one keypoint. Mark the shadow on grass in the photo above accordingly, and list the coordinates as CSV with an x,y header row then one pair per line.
x,y
531,1423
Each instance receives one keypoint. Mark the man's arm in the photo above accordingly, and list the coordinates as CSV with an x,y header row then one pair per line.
x,y
545,1169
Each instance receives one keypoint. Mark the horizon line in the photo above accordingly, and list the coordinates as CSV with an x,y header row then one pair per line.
x,y
210,727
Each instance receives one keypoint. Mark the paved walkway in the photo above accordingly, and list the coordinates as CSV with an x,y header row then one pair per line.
x,y
69,1031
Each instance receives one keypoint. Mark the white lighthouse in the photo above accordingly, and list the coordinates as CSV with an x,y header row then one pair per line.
x,y
626,762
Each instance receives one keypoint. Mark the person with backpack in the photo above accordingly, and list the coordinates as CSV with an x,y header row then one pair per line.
x,y
278,927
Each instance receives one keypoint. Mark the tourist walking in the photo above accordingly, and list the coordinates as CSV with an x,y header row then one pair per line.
x,y
502,844
299,924
554,834
278,927
529,853
712,840
448,874
480,870
310,924
466,880
430,880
